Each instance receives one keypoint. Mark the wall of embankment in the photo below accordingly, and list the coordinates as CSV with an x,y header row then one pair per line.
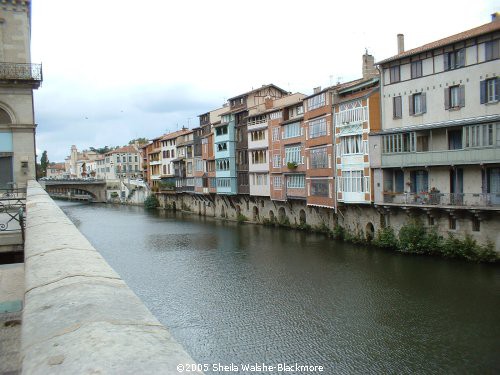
x,y
79,316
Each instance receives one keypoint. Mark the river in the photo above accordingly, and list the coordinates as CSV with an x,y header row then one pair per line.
x,y
243,294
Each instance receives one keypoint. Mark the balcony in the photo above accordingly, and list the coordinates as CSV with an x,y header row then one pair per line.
x,y
351,116
27,73
472,200
444,157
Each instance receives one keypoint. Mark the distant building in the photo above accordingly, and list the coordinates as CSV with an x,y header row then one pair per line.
x,y
18,78
56,170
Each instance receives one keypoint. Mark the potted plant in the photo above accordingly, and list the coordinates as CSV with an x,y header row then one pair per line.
x,y
291,165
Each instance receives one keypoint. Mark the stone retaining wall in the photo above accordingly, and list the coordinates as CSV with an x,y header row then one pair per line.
x,y
79,315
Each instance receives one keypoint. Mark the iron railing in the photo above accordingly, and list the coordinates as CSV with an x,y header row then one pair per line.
x,y
18,71
444,199
12,209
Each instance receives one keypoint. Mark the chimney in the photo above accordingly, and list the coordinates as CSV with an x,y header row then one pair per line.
x,y
369,70
316,89
495,17
401,43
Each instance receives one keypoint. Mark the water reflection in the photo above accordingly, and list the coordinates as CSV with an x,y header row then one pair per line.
x,y
244,293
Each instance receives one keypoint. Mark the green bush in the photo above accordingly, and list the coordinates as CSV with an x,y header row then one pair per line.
x,y
242,218
412,238
151,202
386,238
338,232
114,194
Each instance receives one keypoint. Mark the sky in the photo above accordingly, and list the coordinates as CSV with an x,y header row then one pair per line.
x,y
115,70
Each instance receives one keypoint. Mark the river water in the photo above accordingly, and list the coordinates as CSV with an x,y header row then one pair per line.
x,y
243,294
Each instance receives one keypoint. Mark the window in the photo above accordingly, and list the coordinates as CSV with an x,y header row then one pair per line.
x,y
277,182
351,145
317,128
223,182
401,142
454,60
299,110
320,188
476,224
292,154
397,107
316,101
189,167
490,90
454,97
394,74
319,158
416,69
479,135
275,115
221,130
295,181
291,130
452,223
259,135
352,182
418,104
259,157
276,134
492,50
222,146
259,179
276,161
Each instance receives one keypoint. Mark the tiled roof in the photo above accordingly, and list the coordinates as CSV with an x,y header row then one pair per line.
x,y
257,89
464,35
174,134
124,150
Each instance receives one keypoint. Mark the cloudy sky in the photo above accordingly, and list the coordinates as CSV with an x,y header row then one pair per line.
x,y
115,70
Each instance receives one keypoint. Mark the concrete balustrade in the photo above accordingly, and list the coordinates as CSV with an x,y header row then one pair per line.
x,y
79,316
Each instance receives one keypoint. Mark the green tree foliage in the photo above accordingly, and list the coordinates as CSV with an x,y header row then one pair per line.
x,y
140,141
44,163
151,202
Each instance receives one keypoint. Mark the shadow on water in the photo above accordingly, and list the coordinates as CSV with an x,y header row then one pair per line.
x,y
233,293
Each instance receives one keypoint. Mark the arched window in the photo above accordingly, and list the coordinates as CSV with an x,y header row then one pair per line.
x,y
4,117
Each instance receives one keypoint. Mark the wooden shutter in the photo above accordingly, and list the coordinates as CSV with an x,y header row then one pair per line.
x,y
447,98
423,102
462,95
411,100
482,86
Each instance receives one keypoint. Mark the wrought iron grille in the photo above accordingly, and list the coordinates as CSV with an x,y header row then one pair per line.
x,y
12,208
18,71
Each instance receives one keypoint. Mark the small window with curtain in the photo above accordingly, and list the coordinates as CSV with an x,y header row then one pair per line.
x,y
492,50
416,69
394,74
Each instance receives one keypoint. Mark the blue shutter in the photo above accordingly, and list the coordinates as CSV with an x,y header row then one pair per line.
x,y
482,86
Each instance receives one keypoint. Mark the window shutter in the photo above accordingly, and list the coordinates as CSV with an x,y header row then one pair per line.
x,y
423,102
447,98
497,89
394,112
446,60
462,95
482,86
411,102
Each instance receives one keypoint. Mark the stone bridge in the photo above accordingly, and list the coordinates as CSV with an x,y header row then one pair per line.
x,y
76,189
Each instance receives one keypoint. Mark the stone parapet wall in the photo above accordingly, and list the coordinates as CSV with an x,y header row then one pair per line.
x,y
79,315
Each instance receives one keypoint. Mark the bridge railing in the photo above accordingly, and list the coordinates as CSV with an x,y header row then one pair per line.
x,y
79,316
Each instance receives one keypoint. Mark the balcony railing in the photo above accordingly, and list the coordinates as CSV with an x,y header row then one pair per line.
x,y
12,207
18,71
444,199
351,116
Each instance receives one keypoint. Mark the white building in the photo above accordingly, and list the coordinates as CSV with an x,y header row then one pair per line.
x,y
439,148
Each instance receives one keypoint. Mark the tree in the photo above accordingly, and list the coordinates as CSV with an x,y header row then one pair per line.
x,y
44,163
140,141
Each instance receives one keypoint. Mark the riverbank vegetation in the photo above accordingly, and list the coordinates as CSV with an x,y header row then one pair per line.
x,y
151,202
